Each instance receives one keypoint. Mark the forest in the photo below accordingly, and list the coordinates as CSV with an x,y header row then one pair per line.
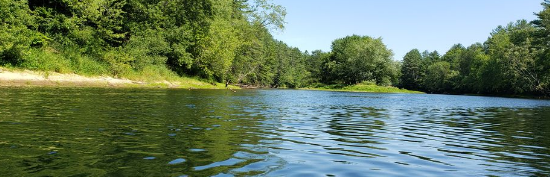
x,y
513,61
230,41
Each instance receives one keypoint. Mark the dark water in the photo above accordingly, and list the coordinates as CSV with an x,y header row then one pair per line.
x,y
139,132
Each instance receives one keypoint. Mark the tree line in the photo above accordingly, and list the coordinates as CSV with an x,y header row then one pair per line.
x,y
513,61
218,40
214,39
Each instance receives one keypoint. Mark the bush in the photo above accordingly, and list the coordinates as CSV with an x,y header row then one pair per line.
x,y
83,64
147,48
45,59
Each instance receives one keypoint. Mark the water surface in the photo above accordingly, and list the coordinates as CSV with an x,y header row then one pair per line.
x,y
149,132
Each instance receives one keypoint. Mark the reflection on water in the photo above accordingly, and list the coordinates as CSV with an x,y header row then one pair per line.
x,y
140,132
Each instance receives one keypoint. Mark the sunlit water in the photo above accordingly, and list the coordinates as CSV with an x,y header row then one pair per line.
x,y
141,132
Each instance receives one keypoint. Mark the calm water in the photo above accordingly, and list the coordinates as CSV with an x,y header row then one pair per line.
x,y
140,132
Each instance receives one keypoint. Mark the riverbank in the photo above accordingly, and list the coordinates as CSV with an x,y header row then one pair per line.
x,y
20,78
14,77
363,87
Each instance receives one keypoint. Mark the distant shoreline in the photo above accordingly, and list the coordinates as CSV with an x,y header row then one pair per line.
x,y
362,87
27,78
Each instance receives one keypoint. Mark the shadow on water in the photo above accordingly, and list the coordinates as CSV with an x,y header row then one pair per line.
x,y
136,132
64,132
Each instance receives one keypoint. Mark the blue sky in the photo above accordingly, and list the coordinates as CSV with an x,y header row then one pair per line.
x,y
402,24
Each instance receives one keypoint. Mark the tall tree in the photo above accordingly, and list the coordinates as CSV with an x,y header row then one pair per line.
x,y
15,37
472,64
411,70
361,58
541,41
454,55
511,68
315,63
439,77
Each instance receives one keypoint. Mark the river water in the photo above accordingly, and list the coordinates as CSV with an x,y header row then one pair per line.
x,y
156,132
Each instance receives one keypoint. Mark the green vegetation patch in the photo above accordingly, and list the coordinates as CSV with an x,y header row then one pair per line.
x,y
362,87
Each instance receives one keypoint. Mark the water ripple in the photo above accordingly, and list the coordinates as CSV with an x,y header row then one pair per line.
x,y
136,132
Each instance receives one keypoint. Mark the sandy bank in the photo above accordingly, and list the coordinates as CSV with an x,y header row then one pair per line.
x,y
38,78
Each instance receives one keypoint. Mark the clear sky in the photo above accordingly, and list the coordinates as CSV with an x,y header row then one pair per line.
x,y
402,24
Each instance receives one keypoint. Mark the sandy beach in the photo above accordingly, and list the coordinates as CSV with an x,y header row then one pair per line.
x,y
39,78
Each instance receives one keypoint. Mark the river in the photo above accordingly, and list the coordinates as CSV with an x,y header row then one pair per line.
x,y
168,132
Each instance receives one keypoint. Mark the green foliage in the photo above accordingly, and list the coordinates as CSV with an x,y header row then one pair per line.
x,y
356,59
512,61
290,70
266,14
129,38
454,56
472,65
225,41
15,38
45,59
218,50
511,66
366,86
412,70
120,62
540,40
315,66
439,77
147,48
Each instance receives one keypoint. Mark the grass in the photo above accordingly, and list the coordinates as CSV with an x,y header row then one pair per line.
x,y
362,87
